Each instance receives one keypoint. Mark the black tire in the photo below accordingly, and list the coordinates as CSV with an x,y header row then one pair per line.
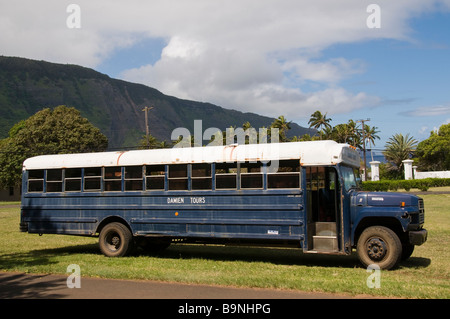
x,y
116,240
381,246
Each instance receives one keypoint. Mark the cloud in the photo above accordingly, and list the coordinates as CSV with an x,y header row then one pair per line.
x,y
252,55
429,111
246,80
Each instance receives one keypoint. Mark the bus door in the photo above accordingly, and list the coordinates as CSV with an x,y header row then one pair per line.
x,y
323,197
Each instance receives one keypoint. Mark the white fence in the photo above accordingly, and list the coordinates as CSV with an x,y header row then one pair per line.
x,y
410,172
438,174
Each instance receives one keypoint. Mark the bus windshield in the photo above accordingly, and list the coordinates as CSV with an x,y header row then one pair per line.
x,y
351,177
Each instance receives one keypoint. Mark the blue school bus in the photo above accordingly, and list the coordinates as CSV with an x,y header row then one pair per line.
x,y
302,194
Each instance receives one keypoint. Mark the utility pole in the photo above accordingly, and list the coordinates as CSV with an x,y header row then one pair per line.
x,y
364,146
147,131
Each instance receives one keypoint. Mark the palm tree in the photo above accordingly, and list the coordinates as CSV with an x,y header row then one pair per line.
x,y
246,126
152,142
399,148
283,126
353,135
319,120
326,133
371,134
342,133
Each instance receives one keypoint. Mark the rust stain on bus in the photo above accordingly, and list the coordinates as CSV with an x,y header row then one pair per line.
x,y
118,159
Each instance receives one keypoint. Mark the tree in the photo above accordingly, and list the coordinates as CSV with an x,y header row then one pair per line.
x,y
370,134
152,142
319,120
57,131
283,126
326,133
434,153
354,135
399,148
342,133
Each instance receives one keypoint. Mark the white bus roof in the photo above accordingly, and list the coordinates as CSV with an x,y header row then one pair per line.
x,y
309,153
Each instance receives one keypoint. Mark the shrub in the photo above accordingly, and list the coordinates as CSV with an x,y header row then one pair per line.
x,y
406,185
422,184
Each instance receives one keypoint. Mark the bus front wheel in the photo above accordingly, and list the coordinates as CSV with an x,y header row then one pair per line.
x,y
379,245
115,240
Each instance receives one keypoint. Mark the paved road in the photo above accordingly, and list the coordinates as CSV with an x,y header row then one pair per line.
x,y
24,286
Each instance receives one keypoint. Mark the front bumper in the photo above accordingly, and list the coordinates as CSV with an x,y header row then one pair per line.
x,y
418,237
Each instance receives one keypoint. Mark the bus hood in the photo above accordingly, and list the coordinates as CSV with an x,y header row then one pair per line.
x,y
385,199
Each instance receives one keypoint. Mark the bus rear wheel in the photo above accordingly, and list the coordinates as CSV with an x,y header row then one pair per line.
x,y
115,240
381,246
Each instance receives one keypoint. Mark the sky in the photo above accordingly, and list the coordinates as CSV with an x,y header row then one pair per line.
x,y
387,61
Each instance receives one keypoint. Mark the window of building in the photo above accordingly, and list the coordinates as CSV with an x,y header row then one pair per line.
x,y
133,178
283,174
36,180
201,176
178,177
226,175
251,175
92,178
54,180
155,175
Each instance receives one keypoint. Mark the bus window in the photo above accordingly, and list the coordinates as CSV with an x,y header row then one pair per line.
x,y
286,176
133,178
54,180
155,175
113,179
72,180
92,178
251,175
178,178
36,180
201,177
226,175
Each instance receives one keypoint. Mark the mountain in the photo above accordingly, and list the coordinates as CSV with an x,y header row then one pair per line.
x,y
114,106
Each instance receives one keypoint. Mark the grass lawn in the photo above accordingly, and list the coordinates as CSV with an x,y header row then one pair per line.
x,y
425,275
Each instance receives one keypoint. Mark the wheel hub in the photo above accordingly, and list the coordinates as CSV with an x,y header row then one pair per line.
x,y
376,249
115,241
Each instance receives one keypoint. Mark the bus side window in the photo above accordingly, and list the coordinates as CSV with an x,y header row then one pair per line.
x,y
92,178
72,180
133,178
113,179
286,176
154,176
36,180
251,175
226,175
54,180
201,177
178,177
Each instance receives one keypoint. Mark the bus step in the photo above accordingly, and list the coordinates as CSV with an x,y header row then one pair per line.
x,y
325,243
325,229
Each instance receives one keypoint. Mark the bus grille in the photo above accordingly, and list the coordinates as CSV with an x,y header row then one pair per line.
x,y
421,212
